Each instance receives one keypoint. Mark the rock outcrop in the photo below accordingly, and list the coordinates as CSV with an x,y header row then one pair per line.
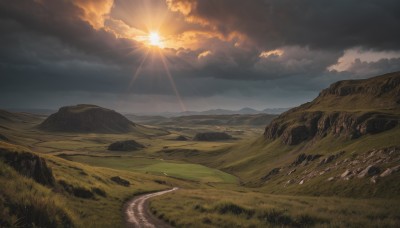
x,y
120,181
128,145
29,165
212,136
308,125
334,111
87,119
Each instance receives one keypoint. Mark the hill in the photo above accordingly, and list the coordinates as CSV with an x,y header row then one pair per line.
x,y
350,108
87,118
344,142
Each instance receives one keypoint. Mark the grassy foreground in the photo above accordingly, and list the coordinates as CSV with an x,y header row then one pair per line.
x,y
225,208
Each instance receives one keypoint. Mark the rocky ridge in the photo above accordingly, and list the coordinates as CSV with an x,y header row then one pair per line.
x,y
347,108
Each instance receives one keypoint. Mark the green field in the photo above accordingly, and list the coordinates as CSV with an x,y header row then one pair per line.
x,y
187,171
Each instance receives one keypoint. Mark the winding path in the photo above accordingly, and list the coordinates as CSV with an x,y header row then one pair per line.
x,y
137,213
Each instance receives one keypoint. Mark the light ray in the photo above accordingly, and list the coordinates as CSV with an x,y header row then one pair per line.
x,y
138,70
172,82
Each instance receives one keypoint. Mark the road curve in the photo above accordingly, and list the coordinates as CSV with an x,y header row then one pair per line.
x,y
138,215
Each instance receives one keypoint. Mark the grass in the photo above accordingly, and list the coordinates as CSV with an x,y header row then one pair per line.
x,y
23,201
85,195
181,170
91,198
224,208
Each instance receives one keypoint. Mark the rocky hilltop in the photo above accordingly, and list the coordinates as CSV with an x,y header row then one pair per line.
x,y
350,108
87,118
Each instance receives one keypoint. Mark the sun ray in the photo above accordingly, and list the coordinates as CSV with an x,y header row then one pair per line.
x,y
139,69
172,82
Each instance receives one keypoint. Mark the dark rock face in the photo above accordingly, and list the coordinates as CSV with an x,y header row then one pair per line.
x,y
128,145
120,181
345,88
212,136
29,165
305,158
87,118
319,118
318,124
331,158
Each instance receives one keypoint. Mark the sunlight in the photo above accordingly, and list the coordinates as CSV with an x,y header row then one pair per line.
x,y
154,39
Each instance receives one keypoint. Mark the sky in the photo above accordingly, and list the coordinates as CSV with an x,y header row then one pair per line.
x,y
177,55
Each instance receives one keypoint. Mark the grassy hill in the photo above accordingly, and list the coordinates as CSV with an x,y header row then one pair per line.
x,y
80,195
323,149
86,118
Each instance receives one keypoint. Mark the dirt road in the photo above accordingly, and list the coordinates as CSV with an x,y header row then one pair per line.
x,y
137,213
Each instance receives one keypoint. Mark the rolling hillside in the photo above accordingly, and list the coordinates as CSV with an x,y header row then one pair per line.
x,y
345,142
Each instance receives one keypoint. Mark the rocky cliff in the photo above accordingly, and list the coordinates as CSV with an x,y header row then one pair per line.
x,y
347,108
87,118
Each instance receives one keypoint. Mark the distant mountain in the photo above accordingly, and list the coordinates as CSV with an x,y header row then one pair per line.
x,y
37,111
243,111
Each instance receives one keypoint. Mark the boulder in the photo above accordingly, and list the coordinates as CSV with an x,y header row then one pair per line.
x,y
390,171
127,145
371,170
120,181
345,173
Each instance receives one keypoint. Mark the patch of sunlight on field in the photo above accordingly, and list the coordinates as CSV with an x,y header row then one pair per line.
x,y
160,167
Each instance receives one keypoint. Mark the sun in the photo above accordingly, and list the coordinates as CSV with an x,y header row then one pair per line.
x,y
154,39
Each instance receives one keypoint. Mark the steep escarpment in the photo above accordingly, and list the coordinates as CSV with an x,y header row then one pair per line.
x,y
85,119
347,108
298,127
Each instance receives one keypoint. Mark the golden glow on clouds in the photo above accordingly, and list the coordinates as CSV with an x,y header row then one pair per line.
x,y
354,54
204,54
94,11
276,52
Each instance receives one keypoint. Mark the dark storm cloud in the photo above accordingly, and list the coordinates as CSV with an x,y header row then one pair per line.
x,y
63,20
55,52
314,23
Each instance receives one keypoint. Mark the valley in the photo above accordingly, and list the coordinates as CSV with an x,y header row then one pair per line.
x,y
332,162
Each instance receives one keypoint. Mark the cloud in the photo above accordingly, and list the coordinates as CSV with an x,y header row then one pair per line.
x,y
94,11
271,52
63,21
313,23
